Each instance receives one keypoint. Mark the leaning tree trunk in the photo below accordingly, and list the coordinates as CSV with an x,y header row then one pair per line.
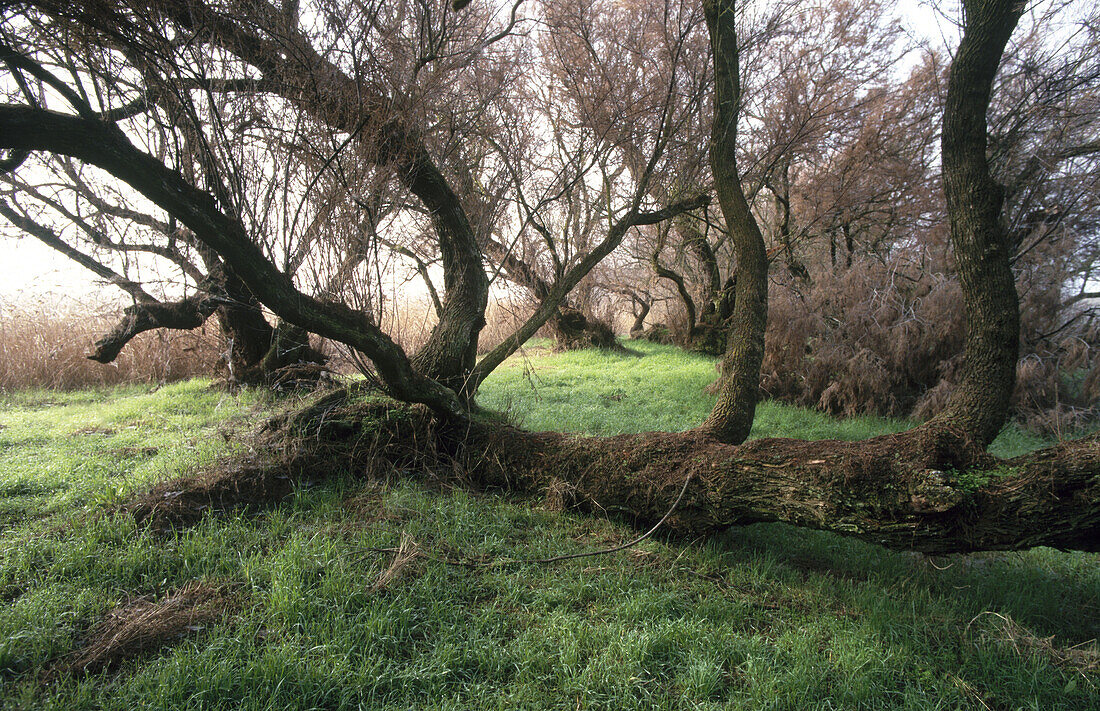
x,y
739,385
637,328
902,491
980,403
449,354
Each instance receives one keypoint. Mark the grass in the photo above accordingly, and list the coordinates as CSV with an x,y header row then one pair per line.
x,y
659,388
765,617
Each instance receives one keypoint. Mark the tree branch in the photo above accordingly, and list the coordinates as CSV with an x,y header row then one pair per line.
x,y
105,146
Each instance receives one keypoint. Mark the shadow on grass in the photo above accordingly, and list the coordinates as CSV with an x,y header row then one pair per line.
x,y
1050,592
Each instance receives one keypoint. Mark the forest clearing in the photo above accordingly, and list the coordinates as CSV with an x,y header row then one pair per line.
x,y
572,354
403,592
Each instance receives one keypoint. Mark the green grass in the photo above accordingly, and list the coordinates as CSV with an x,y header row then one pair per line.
x,y
765,617
63,451
659,388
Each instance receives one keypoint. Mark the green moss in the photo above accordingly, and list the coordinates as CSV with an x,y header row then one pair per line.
x,y
974,479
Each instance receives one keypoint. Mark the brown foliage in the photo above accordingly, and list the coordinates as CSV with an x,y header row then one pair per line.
x,y
886,338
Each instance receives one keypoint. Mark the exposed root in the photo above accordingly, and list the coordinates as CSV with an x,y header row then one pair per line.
x,y
142,627
371,437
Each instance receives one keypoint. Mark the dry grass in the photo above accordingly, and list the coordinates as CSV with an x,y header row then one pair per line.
x,y
1002,630
142,627
407,551
43,345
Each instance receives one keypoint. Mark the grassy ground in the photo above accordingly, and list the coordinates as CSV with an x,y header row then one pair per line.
x,y
766,617
658,388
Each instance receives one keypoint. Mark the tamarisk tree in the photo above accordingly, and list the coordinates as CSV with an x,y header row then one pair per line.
x,y
900,490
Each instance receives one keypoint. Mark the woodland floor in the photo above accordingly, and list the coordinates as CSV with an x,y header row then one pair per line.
x,y
340,596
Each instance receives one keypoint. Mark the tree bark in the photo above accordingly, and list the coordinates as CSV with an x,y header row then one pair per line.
x,y
184,314
739,384
902,491
980,403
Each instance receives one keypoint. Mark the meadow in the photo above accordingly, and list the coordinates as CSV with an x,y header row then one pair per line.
x,y
347,595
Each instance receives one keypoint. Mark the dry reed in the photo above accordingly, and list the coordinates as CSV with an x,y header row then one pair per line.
x,y
44,345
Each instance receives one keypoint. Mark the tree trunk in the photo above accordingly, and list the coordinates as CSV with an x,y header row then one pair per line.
x,y
980,403
697,244
185,314
739,384
246,331
902,491
677,279
290,360
638,327
450,352
711,334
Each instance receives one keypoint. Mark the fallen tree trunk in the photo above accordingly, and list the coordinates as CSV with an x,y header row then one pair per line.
x,y
929,489
926,490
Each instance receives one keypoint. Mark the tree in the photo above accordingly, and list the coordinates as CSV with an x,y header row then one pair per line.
x,y
899,490
256,353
